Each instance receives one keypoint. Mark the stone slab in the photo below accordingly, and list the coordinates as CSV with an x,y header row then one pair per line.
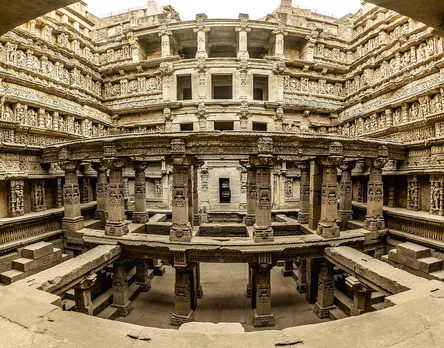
x,y
412,250
213,329
158,218
37,250
28,265
11,276
425,265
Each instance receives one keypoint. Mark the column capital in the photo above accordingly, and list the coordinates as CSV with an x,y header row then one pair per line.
x,y
139,165
115,163
377,163
69,166
331,161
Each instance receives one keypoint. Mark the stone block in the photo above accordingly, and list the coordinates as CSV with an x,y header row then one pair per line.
x,y
430,264
38,250
28,265
11,276
158,218
413,251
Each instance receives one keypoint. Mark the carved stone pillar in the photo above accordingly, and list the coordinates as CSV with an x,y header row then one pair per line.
x,y
413,192
116,225
279,45
140,214
326,289
201,32
199,290
346,195
251,272
328,227
301,282
73,220
120,290
262,312
251,196
304,205
142,274
287,270
184,291
392,201
181,229
16,207
315,195
165,42
437,195
101,193
374,220
263,231
82,293
59,193
38,195
243,30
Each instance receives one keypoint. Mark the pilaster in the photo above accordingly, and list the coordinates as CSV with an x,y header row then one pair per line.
x,y
101,193
140,214
304,205
72,220
345,195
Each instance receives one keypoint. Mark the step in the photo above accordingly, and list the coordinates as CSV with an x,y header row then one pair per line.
x,y
109,312
26,265
438,275
158,218
70,295
431,264
337,314
37,250
11,276
343,302
413,251
377,297
68,305
378,306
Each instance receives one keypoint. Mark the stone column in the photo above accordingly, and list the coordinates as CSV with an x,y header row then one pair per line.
x,y
326,289
72,220
362,300
140,214
59,193
142,274
251,196
279,47
101,193
201,32
116,225
120,289
287,270
82,293
243,30
315,195
38,195
301,282
374,220
165,41
263,231
181,229
262,312
412,192
392,201
304,205
251,269
346,195
16,207
199,290
328,227
183,290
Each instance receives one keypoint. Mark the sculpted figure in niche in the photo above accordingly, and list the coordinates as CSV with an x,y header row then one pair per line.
x,y
398,116
21,59
412,194
17,198
436,198
422,52
414,111
437,103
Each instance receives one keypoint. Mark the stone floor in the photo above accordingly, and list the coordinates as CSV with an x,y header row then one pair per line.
x,y
224,300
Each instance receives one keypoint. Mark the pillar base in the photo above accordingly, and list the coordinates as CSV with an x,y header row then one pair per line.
x,y
178,320
159,270
287,272
116,229
303,218
329,231
301,287
263,234
181,233
344,217
124,310
374,225
322,312
250,220
144,287
263,320
73,224
199,292
140,218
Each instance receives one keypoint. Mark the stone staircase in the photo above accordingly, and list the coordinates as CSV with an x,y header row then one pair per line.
x,y
34,259
416,259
